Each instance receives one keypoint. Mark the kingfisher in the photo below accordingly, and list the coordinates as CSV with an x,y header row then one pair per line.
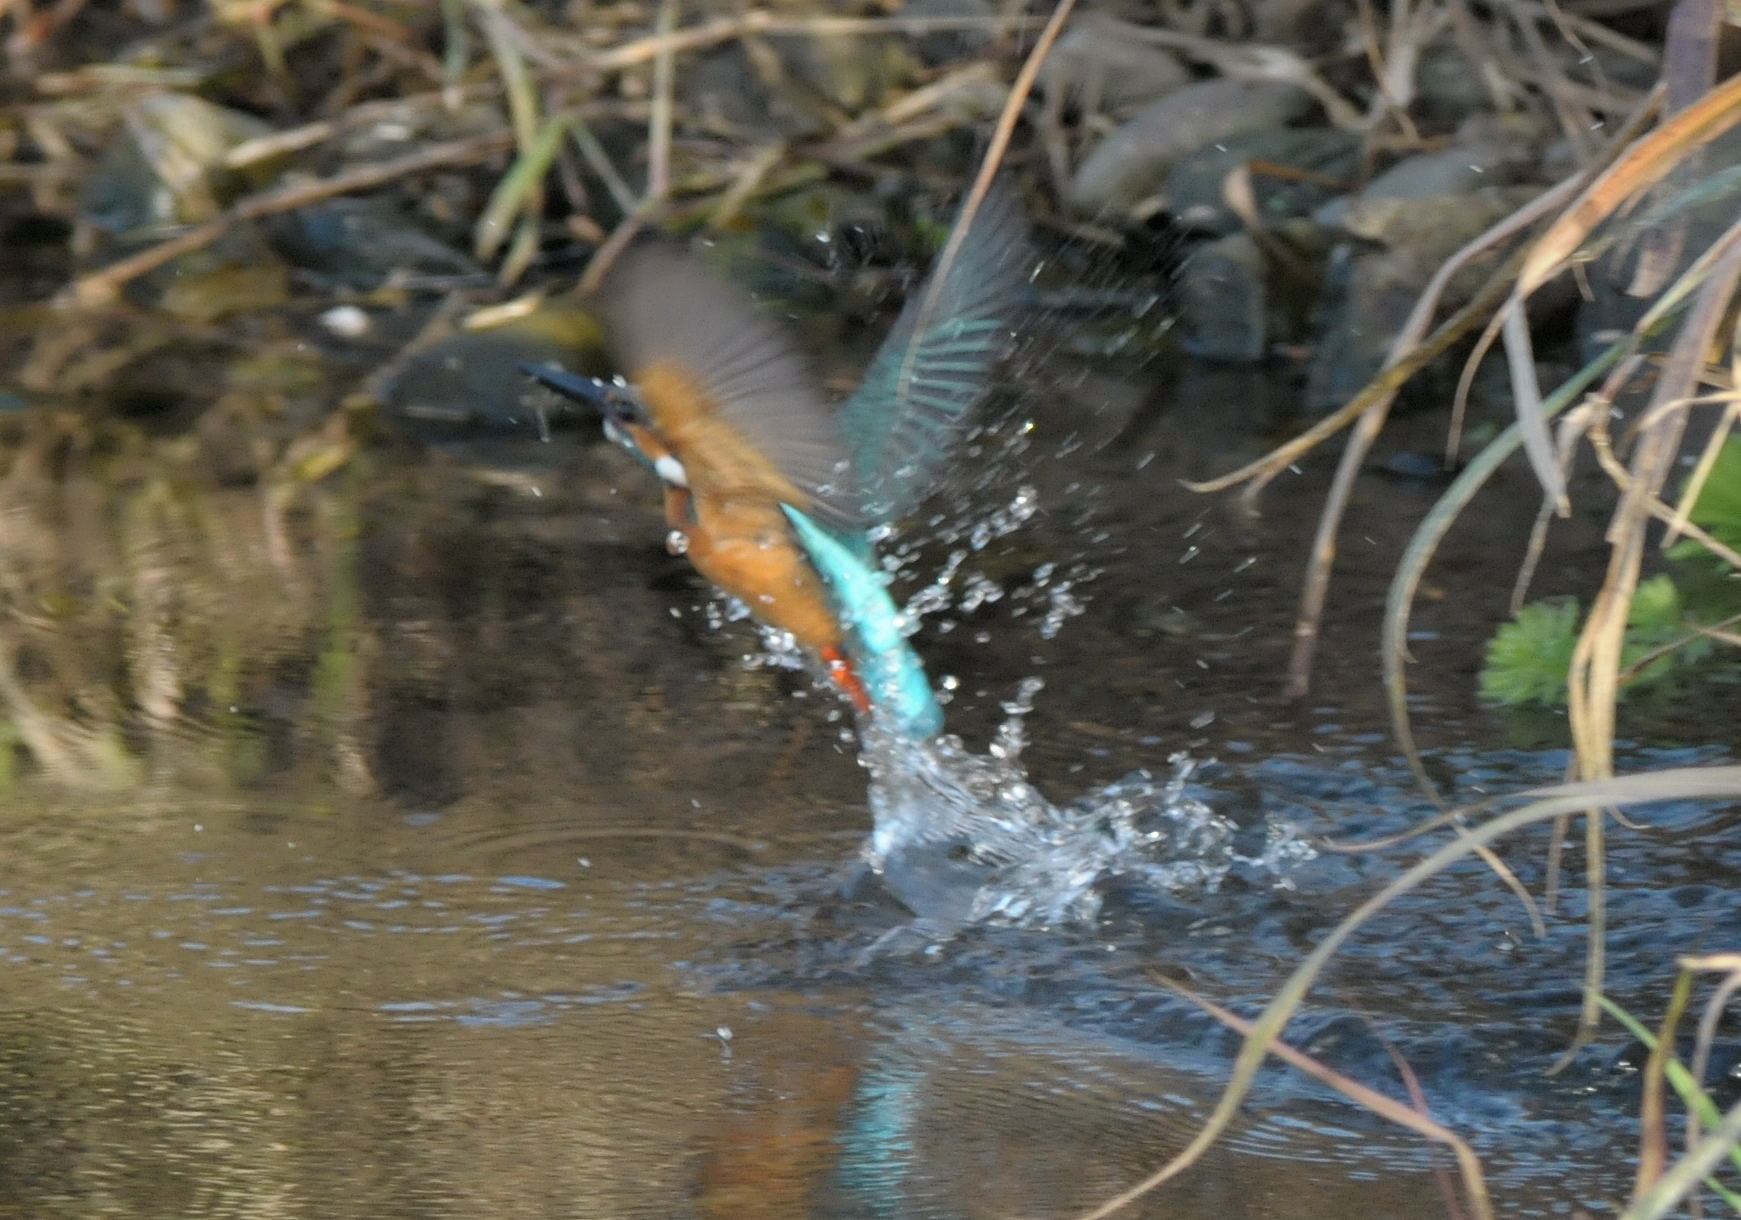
x,y
770,491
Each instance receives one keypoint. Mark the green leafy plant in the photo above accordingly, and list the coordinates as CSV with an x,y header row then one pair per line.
x,y
1718,511
1529,658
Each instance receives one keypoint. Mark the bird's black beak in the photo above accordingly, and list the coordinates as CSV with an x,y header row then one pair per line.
x,y
589,391
616,403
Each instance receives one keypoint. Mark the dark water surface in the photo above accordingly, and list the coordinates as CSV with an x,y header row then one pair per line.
x,y
438,857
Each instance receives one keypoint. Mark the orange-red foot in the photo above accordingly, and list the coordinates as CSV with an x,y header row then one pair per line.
x,y
841,669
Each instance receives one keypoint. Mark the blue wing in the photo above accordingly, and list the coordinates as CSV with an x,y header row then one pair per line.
x,y
935,366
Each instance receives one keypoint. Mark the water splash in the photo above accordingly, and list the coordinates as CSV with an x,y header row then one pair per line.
x,y
950,588
963,838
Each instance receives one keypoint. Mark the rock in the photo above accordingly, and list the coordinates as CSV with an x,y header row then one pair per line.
x,y
1614,68
1618,294
166,166
1098,66
793,86
950,46
1374,282
359,243
1224,301
1448,87
854,72
721,88
1132,162
1323,156
1432,228
1458,170
469,386
1454,171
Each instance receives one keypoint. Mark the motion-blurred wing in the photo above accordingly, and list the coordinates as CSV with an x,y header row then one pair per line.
x,y
665,312
934,367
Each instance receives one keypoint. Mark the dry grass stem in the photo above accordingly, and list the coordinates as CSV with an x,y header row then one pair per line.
x,y
1416,1119
1691,783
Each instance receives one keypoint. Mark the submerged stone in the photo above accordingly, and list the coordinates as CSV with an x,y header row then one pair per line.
x,y
226,289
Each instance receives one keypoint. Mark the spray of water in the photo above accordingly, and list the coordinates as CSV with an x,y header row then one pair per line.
x,y
963,838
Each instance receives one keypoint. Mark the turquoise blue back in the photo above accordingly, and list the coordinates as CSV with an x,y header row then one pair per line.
x,y
900,692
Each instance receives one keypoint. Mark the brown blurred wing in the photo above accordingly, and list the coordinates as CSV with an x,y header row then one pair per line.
x,y
663,310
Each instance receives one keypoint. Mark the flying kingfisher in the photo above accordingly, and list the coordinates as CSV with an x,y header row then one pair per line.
x,y
769,490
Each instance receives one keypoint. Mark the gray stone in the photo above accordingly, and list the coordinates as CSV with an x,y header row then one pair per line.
x,y
1458,170
362,243
1677,223
947,46
1224,300
165,165
1195,187
1448,86
1374,283
1099,66
1132,162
